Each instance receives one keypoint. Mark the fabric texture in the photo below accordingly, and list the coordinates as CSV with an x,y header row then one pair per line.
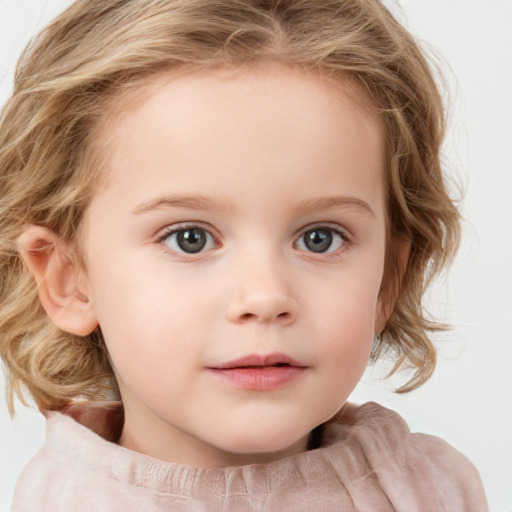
x,y
369,461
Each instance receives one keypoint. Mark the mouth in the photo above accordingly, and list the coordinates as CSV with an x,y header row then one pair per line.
x,y
259,373
261,361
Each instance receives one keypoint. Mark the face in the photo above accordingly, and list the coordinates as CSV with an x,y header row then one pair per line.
x,y
234,260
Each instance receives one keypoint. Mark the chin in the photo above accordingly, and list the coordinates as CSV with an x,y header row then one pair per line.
x,y
266,446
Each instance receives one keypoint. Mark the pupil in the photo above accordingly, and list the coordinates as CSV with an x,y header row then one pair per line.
x,y
191,240
318,240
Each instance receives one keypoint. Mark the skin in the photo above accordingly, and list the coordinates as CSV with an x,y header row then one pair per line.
x,y
256,158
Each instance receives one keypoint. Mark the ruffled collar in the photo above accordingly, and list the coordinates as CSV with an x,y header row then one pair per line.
x,y
94,428
368,461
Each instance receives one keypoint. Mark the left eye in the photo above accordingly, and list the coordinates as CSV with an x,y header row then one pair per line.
x,y
189,240
320,240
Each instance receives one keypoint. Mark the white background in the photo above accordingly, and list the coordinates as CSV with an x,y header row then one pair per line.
x,y
468,402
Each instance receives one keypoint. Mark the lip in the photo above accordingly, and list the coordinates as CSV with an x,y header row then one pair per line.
x,y
259,372
260,360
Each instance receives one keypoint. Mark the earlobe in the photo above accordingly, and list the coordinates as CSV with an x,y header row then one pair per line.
x,y
389,294
49,260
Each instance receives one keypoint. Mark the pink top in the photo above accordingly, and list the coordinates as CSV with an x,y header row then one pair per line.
x,y
368,462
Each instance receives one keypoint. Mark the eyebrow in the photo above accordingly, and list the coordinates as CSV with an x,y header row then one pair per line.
x,y
196,202
205,203
326,203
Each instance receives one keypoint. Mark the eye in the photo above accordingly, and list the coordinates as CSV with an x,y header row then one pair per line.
x,y
190,240
321,240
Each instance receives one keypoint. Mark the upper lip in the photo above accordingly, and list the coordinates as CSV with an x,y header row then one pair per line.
x,y
255,360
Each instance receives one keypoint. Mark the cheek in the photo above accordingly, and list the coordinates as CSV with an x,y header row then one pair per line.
x,y
349,333
149,317
344,320
344,335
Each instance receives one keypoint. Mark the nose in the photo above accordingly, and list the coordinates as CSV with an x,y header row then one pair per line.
x,y
262,295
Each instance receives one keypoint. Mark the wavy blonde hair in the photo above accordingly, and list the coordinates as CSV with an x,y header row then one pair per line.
x,y
98,49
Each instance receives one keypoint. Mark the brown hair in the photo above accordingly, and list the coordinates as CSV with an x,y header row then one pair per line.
x,y
97,48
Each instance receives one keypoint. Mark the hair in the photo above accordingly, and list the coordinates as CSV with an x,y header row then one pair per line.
x,y
96,49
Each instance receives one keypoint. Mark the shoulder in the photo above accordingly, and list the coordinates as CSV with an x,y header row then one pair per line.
x,y
412,466
386,431
77,443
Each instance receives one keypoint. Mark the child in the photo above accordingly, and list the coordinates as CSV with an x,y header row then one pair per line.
x,y
217,211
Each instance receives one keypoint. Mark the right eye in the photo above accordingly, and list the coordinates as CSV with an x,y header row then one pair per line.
x,y
190,240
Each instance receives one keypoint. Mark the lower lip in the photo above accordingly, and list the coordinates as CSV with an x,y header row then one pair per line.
x,y
259,379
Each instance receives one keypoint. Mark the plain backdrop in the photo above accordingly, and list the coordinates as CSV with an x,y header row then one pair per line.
x,y
468,402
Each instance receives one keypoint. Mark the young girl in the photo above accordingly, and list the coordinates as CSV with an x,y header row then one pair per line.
x,y
212,214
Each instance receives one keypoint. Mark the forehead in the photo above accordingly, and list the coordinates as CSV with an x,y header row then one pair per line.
x,y
240,126
267,96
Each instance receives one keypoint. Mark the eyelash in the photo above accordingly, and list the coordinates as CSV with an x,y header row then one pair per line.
x,y
346,239
180,228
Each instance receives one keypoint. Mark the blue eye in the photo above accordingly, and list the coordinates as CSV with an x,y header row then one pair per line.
x,y
320,240
189,240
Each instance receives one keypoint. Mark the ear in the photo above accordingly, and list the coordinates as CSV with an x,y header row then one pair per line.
x,y
50,261
389,295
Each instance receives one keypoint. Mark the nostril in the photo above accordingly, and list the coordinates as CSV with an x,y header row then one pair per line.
x,y
248,316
